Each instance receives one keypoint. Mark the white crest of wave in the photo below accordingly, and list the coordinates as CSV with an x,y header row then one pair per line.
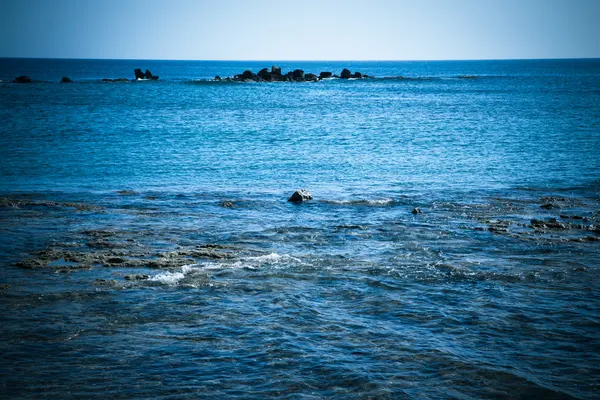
x,y
172,278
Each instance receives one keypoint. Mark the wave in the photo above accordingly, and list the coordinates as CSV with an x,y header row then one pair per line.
x,y
363,202
253,262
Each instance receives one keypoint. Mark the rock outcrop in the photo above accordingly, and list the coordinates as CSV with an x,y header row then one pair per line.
x,y
298,75
144,75
300,195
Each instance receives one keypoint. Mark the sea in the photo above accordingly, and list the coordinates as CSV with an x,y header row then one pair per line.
x,y
451,248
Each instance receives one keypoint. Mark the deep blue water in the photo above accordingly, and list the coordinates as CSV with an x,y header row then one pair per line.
x,y
347,296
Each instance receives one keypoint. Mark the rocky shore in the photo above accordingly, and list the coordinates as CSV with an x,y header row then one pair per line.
x,y
297,75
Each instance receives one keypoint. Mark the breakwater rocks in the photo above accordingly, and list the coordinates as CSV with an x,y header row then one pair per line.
x,y
297,75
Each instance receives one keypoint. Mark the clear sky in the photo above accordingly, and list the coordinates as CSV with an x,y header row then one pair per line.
x,y
300,30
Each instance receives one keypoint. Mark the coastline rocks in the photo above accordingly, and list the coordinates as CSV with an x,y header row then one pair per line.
x,y
325,75
22,79
346,74
276,70
66,79
300,195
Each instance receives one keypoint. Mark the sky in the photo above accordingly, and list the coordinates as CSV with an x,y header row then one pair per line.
x,y
300,30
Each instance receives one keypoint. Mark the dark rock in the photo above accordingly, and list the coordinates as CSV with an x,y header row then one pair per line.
x,y
324,75
357,75
217,78
227,204
300,195
416,210
148,74
298,75
115,260
31,263
264,74
139,74
247,75
311,78
548,206
5,286
275,70
346,74
22,79
66,79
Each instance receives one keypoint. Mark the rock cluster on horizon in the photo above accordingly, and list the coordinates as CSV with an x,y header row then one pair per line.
x,y
297,75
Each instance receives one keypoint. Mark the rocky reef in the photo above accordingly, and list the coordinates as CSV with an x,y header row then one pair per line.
x,y
297,75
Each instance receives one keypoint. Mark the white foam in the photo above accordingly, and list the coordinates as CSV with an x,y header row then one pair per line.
x,y
172,278
168,278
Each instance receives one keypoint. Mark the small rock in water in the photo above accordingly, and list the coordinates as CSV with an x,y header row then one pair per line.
x,y
346,74
548,206
227,204
300,195
66,79
417,210
22,79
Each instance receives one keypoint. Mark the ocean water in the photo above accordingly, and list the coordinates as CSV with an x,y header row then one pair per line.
x,y
147,248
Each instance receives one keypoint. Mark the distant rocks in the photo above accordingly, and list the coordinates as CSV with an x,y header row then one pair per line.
x,y
144,75
297,75
300,196
66,79
22,79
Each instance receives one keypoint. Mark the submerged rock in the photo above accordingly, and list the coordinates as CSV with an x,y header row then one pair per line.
x,y
300,196
115,80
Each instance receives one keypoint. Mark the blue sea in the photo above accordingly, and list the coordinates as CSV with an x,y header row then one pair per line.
x,y
451,248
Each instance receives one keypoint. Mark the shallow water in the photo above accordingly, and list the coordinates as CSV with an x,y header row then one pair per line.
x,y
126,273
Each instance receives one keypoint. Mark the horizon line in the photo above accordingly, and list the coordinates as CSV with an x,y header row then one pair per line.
x,y
302,60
